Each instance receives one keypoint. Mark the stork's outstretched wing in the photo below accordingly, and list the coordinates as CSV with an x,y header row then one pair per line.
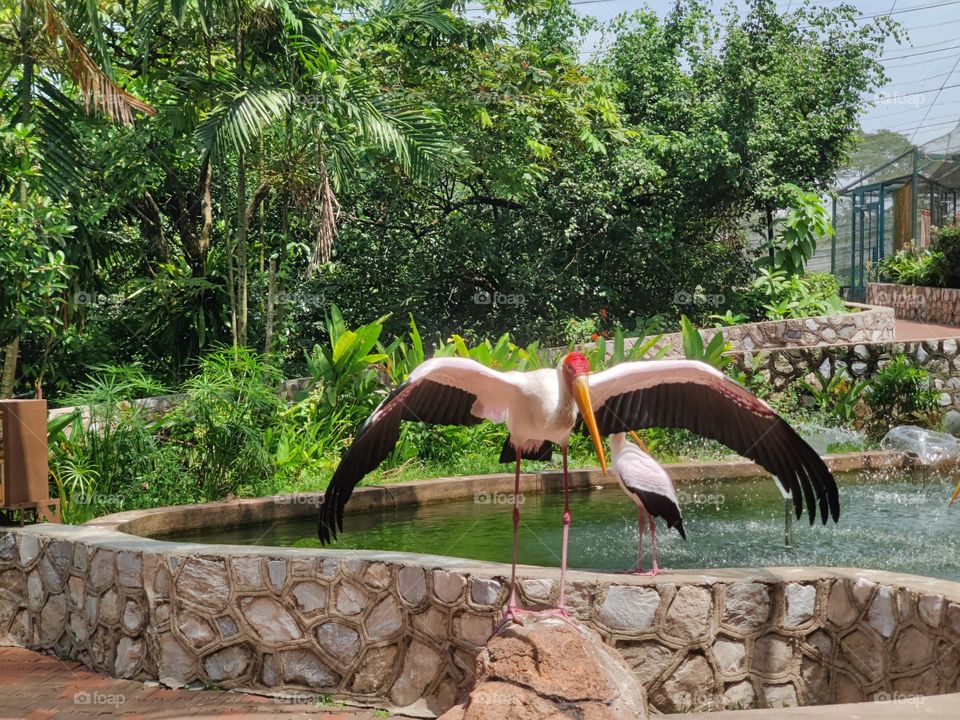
x,y
442,391
695,396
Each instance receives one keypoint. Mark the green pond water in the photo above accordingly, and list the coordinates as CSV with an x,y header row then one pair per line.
x,y
887,523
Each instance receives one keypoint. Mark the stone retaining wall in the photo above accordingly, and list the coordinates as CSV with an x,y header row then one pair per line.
x,y
870,324
861,360
913,302
403,630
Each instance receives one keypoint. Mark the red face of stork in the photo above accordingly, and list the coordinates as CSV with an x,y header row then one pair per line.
x,y
576,374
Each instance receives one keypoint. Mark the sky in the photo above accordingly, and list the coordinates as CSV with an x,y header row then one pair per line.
x,y
922,98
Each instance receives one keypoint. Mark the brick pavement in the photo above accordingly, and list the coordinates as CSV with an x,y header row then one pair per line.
x,y
42,687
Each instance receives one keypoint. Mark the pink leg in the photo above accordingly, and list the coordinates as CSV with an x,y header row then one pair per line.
x,y
566,534
653,540
512,603
641,521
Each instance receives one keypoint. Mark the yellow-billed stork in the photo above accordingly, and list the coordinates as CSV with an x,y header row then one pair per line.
x,y
540,408
645,481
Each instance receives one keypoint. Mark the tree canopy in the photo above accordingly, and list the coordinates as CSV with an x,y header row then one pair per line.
x,y
221,172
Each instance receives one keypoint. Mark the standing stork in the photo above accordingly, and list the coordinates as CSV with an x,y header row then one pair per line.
x,y
645,481
539,407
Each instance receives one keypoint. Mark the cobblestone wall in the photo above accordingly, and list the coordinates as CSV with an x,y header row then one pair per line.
x,y
939,357
405,629
923,304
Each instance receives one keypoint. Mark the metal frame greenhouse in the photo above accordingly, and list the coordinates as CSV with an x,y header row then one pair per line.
x,y
892,206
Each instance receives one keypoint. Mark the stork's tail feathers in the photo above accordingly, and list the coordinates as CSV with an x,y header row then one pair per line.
x,y
678,526
509,453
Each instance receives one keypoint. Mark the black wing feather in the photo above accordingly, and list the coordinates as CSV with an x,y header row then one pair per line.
x,y
509,453
424,401
750,428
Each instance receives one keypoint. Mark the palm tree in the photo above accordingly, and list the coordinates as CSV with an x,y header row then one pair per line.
x,y
42,39
301,76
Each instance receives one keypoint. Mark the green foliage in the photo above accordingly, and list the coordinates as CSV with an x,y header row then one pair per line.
x,y
729,318
107,456
345,368
219,425
403,158
502,354
946,245
780,296
797,233
607,353
911,267
33,232
712,353
900,394
838,397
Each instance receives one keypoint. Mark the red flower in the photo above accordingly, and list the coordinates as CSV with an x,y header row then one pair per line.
x,y
605,334
603,313
595,337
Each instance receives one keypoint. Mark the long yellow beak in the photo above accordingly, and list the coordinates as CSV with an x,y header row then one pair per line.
x,y
641,443
956,494
581,393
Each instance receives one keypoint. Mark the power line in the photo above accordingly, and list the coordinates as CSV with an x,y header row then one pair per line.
x,y
915,8
903,131
918,92
937,97
916,54
953,118
910,110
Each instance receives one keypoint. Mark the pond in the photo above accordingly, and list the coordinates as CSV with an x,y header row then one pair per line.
x,y
888,522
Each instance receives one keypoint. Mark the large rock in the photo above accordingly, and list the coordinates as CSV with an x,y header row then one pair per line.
x,y
547,668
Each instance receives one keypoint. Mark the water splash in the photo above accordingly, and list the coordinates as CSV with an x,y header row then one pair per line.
x,y
928,445
822,437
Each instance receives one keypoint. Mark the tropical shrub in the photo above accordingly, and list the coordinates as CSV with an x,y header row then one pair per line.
x,y
777,296
797,233
712,353
838,397
900,394
946,243
914,267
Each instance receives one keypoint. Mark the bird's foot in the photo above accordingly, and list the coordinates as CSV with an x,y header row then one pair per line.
x,y
651,573
560,613
637,569
513,614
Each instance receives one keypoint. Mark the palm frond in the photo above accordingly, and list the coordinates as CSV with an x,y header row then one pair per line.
x,y
241,118
96,87
54,115
429,14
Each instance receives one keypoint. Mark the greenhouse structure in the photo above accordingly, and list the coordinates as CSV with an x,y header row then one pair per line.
x,y
893,206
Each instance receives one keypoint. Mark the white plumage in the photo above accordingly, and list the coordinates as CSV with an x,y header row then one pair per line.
x,y
645,481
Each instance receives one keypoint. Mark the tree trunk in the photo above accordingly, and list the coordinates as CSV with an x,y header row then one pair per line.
x,y
271,304
11,354
231,282
10,357
242,224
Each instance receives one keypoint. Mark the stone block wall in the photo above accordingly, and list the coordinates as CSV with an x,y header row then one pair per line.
x,y
913,302
403,630
939,357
